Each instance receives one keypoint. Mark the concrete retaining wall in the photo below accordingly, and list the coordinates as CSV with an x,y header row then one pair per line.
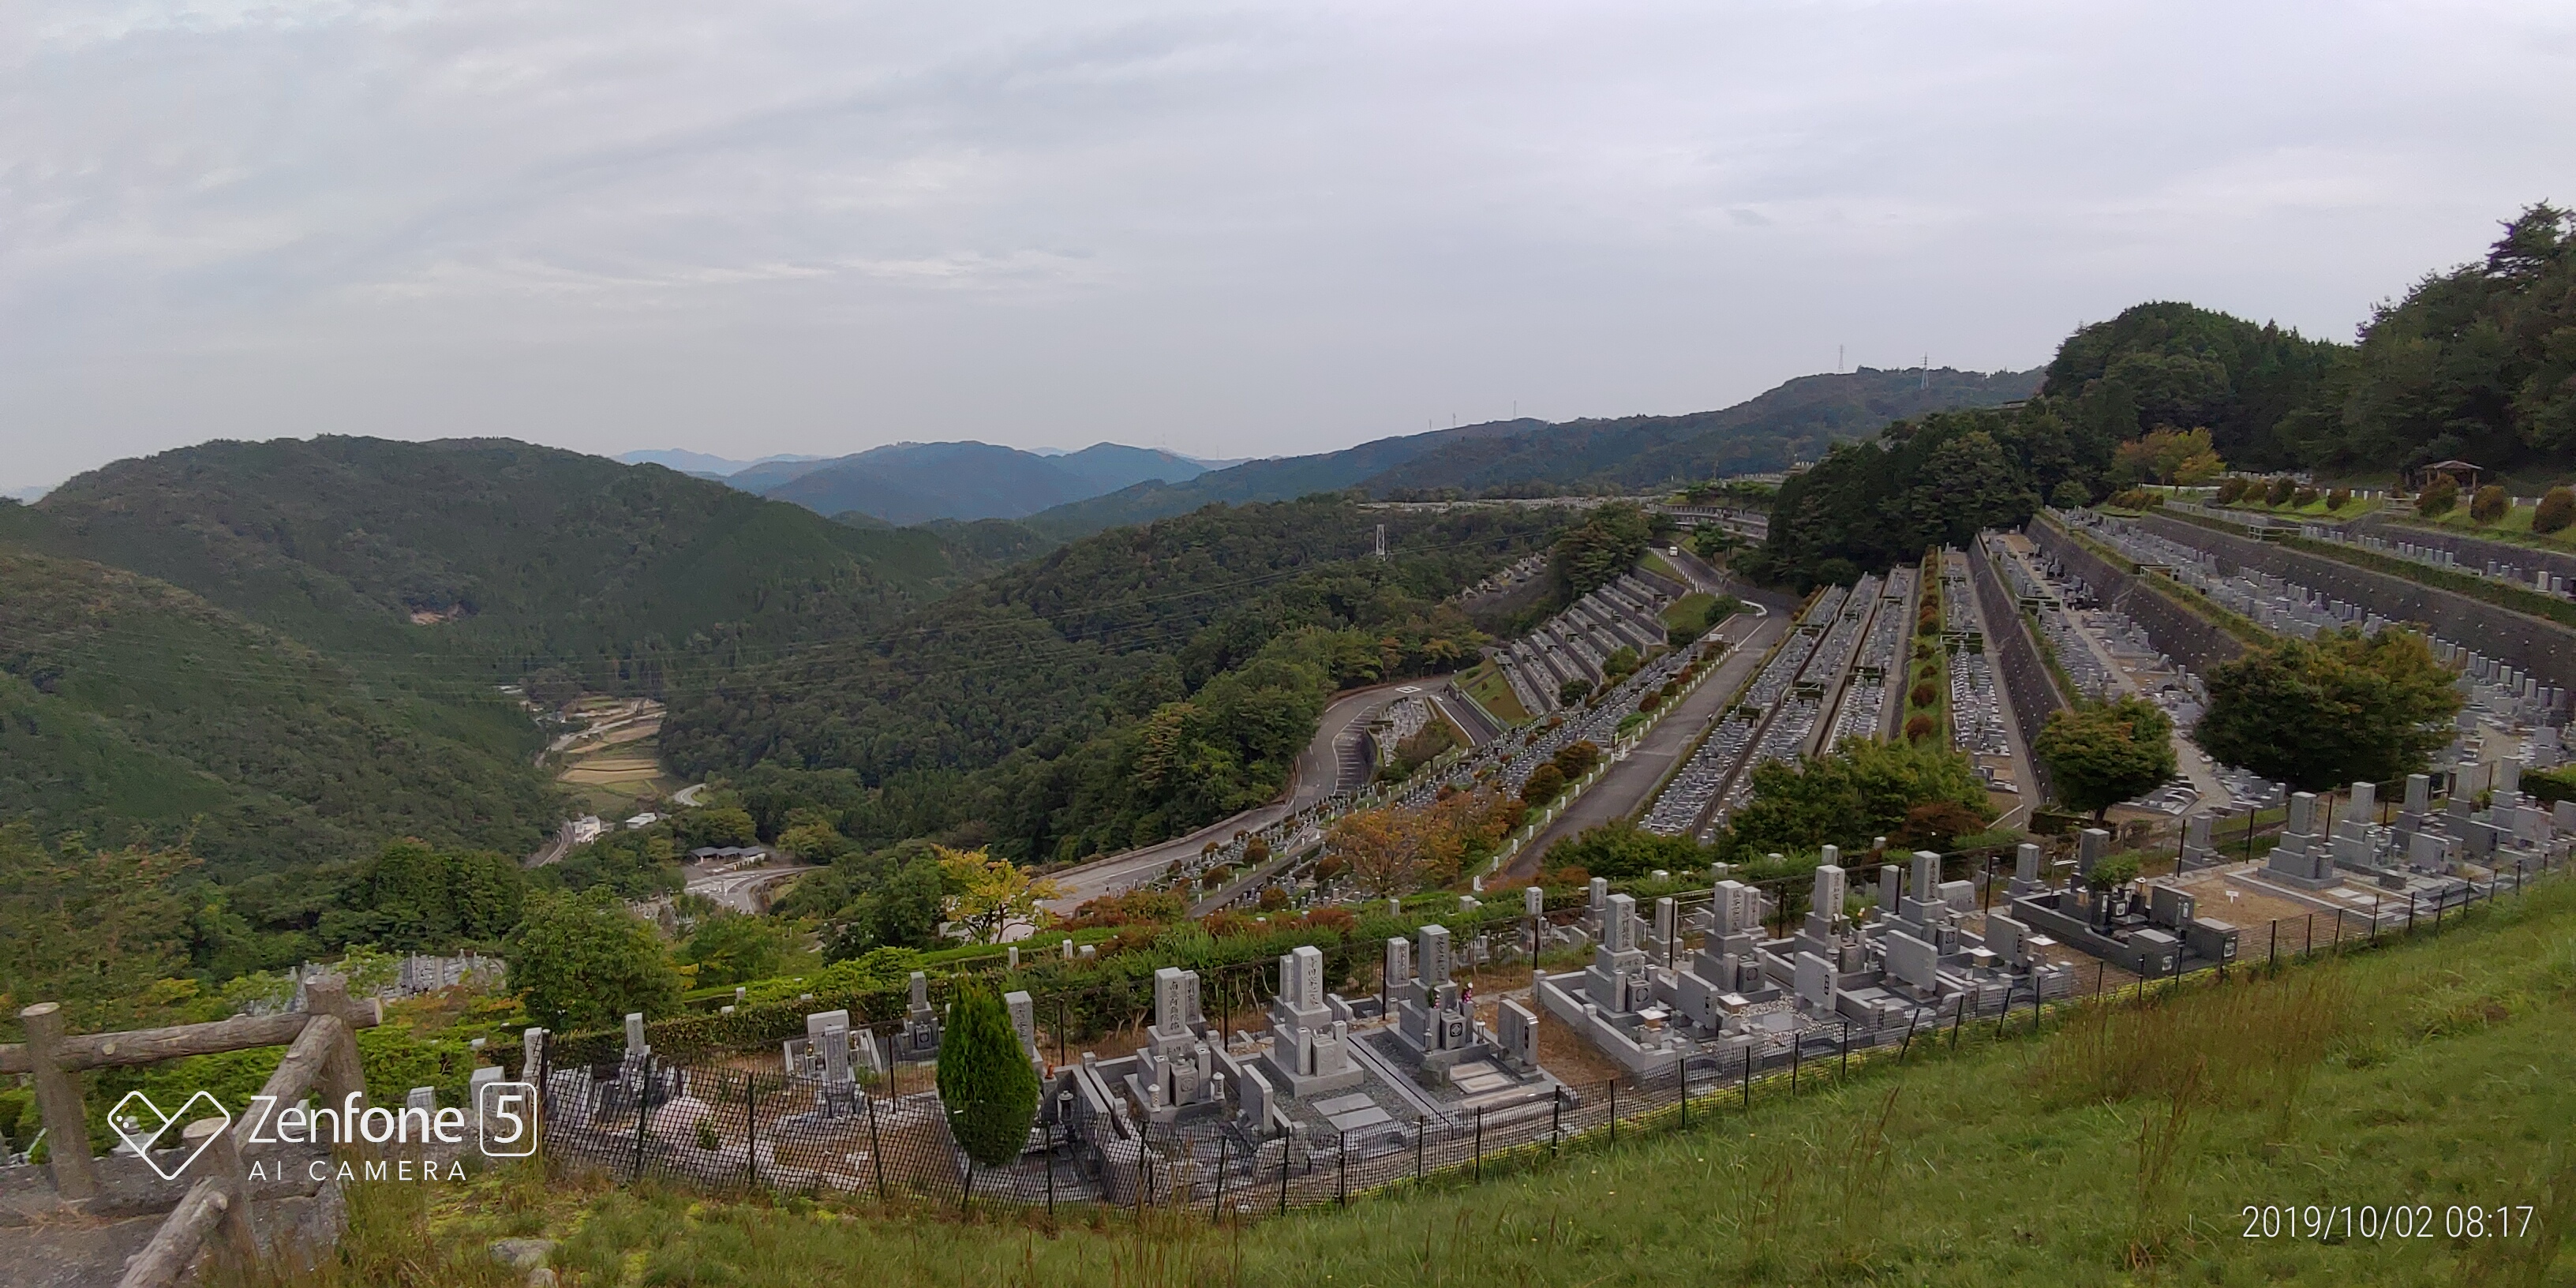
x,y
2029,694
2181,634
2476,552
2544,649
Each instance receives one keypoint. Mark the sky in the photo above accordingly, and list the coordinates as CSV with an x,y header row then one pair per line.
x,y
1230,230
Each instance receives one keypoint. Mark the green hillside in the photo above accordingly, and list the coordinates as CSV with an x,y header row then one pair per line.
x,y
2477,362
909,483
1120,689
2173,364
131,709
1791,422
495,556
1794,421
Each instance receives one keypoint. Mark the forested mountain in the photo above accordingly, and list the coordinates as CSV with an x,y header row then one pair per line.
x,y
910,483
1937,479
488,557
1125,687
2477,363
1791,422
133,710
2174,365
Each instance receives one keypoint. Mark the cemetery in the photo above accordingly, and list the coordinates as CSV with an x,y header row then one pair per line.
x,y
1744,1000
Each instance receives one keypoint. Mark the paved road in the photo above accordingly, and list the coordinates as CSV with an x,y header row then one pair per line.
x,y
740,890
1631,783
1317,774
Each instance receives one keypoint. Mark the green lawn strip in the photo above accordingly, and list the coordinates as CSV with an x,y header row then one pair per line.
x,y
2447,1084
2352,509
1486,684
2514,528
1690,610
1654,562
2484,589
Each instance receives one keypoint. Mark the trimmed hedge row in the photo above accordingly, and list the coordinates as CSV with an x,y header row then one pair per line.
x,y
1087,998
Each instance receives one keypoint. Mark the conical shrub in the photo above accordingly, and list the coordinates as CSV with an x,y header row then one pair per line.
x,y
985,1080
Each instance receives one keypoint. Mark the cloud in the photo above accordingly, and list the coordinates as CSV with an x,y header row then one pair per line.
x,y
1231,229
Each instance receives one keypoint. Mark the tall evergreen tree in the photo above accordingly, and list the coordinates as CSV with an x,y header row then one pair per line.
x,y
985,1079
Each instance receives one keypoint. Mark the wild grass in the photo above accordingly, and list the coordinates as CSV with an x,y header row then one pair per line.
x,y
2118,1148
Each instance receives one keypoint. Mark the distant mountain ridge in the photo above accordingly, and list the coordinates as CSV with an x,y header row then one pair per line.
x,y
1793,421
701,464
913,483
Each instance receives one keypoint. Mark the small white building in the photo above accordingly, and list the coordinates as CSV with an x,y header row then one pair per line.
x,y
646,819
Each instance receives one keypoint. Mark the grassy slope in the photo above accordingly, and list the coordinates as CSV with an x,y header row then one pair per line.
x,y
2514,527
2447,1076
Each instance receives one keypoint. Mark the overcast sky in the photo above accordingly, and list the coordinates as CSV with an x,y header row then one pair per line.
x,y
750,227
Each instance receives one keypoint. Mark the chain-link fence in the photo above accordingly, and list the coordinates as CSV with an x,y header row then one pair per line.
x,y
737,1122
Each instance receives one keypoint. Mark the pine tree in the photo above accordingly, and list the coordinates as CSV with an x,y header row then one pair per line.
x,y
985,1080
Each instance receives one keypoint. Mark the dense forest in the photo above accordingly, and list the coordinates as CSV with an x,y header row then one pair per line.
x,y
131,710
1123,688
2477,362
490,558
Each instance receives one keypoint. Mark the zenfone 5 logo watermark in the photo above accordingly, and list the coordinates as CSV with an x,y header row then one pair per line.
x,y
503,1124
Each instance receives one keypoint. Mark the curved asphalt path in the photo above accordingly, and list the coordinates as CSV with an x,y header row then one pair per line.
x,y
1316,775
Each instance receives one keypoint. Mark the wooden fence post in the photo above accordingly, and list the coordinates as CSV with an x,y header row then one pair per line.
x,y
223,1165
58,1099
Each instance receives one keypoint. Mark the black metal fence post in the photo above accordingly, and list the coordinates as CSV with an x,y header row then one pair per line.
x,y
1555,1121
1614,1108
1285,1140
1421,1138
751,1127
1480,1142
1343,1196
643,1103
1216,1206
1748,1076
876,1145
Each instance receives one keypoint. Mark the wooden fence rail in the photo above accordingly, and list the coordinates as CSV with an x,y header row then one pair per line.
x,y
321,1052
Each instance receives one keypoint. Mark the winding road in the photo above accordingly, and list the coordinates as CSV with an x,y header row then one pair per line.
x,y
1319,772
